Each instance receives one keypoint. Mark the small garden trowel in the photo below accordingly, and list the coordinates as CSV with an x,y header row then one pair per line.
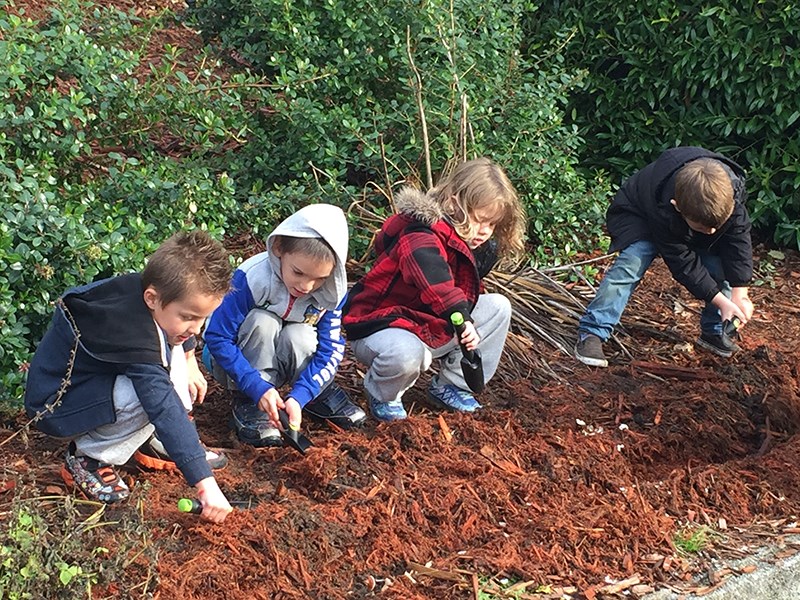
x,y
471,364
190,505
292,436
730,327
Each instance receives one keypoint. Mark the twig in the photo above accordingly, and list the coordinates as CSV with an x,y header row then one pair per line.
x,y
65,383
418,93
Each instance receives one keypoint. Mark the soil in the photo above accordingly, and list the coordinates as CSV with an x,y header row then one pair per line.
x,y
571,484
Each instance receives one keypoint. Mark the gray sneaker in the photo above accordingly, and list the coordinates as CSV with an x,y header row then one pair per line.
x,y
589,350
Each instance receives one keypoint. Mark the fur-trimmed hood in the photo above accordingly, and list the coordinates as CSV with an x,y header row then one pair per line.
x,y
419,205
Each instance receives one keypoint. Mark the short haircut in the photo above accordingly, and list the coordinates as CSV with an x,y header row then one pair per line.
x,y
189,262
704,193
315,247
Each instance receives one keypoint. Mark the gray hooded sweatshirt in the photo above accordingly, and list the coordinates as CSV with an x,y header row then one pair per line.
x,y
257,283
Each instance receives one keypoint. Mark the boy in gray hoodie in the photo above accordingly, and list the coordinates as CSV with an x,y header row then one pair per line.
x,y
281,325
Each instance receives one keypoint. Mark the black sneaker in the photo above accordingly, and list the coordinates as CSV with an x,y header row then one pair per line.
x,y
153,455
720,344
95,480
589,350
252,425
333,405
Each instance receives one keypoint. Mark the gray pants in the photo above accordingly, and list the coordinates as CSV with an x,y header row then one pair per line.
x,y
280,351
396,357
116,442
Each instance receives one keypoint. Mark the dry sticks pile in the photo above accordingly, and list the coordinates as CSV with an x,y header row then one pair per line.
x,y
548,309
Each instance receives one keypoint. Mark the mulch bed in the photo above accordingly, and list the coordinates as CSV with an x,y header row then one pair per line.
x,y
579,487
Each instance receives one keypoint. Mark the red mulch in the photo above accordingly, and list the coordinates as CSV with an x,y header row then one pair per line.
x,y
565,484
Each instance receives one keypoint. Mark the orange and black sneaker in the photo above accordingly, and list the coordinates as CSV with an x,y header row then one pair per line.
x,y
95,480
152,455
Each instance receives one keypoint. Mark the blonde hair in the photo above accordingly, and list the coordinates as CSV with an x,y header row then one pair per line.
x,y
703,192
481,184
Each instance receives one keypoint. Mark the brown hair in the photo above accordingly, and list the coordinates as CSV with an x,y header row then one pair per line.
x,y
481,184
316,248
189,262
703,192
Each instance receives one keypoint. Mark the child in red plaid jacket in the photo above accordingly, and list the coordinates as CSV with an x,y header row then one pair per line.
x,y
430,259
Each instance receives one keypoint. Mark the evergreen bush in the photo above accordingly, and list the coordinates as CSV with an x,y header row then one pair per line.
x,y
662,73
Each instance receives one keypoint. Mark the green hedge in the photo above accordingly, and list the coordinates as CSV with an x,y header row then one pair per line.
x,y
89,190
724,75
344,110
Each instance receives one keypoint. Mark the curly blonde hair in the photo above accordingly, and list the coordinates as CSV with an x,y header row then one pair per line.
x,y
480,184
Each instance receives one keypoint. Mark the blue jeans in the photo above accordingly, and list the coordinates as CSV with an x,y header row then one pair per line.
x,y
605,311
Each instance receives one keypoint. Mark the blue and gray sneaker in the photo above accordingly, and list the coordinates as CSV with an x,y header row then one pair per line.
x,y
252,426
387,411
450,397
334,405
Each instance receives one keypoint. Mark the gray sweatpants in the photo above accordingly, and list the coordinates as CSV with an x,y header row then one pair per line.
x,y
279,351
116,442
396,357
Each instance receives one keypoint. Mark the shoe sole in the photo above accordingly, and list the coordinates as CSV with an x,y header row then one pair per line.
x,y
713,349
591,362
153,463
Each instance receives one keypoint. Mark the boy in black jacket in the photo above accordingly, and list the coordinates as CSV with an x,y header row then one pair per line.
x,y
688,207
101,375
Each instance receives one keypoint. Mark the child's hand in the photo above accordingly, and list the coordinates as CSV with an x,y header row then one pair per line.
x,y
269,403
198,386
215,504
728,309
740,298
294,411
470,337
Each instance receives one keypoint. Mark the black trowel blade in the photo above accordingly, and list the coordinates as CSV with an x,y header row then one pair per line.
x,y
292,438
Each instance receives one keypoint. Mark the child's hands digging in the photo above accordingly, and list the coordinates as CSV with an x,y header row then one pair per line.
x,y
271,402
728,309
215,505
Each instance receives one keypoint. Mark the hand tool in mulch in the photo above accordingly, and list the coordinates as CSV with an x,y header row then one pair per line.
x,y
291,434
195,507
730,327
471,363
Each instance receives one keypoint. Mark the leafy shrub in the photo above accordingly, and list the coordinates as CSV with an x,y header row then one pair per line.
x,y
89,186
53,548
343,109
666,72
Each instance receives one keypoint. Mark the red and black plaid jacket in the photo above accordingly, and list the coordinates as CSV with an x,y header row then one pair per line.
x,y
423,272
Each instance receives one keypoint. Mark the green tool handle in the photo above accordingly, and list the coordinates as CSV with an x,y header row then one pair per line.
x,y
731,326
195,507
457,320
189,505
